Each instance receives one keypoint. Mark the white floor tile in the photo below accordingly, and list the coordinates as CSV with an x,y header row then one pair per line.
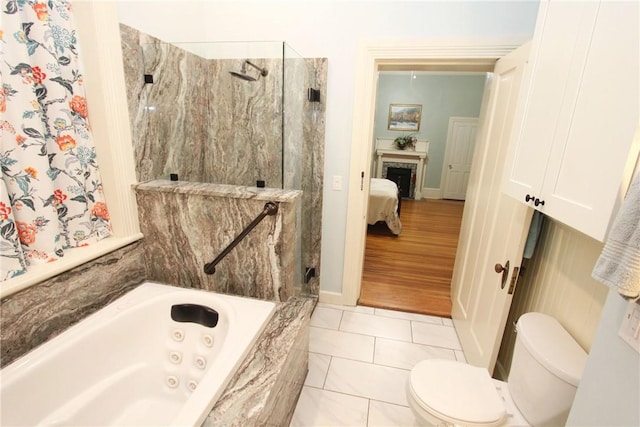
x,y
318,367
325,408
409,316
447,322
436,335
385,327
367,380
324,317
405,355
341,344
357,308
383,414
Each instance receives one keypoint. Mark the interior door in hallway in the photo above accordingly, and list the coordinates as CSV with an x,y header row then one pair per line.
x,y
494,225
461,138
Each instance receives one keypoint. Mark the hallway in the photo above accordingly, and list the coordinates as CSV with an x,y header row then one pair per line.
x,y
412,272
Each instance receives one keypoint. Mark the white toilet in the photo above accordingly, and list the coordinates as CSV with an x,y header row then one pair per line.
x,y
545,371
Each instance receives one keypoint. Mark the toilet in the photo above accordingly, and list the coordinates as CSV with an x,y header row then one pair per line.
x,y
546,368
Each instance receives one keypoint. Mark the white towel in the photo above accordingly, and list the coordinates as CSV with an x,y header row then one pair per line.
x,y
619,262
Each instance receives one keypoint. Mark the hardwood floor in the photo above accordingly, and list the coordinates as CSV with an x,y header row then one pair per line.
x,y
412,272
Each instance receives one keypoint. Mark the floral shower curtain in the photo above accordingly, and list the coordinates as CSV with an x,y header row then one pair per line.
x,y
51,192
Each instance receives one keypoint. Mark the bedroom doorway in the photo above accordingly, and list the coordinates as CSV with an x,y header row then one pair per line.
x,y
412,271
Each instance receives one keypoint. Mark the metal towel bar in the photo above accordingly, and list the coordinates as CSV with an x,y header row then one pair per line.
x,y
270,209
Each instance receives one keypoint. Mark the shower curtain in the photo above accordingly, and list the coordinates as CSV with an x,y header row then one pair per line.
x,y
51,193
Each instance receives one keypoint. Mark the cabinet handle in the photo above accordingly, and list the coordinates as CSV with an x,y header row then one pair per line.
x,y
538,202
528,198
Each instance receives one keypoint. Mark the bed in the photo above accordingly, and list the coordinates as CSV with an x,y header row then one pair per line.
x,y
384,204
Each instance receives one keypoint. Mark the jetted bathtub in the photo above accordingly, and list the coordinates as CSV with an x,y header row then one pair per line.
x,y
159,355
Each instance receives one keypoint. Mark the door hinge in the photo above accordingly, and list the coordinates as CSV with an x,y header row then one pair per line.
x,y
361,180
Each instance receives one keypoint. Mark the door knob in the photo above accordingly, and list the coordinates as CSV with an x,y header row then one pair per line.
x,y
505,273
528,198
538,202
450,167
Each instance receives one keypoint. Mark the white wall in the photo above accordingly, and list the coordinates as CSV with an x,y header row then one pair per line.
x,y
330,29
609,391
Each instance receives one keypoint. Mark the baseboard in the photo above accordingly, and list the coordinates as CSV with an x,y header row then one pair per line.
x,y
329,297
431,193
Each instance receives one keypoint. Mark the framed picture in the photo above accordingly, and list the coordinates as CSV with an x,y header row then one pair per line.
x,y
404,117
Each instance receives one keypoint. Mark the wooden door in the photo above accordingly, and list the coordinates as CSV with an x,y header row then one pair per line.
x,y
461,139
494,225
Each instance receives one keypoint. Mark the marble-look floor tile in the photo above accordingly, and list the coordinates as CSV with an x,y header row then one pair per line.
x,y
409,316
385,327
341,344
368,380
356,309
325,408
436,335
318,367
382,414
406,355
325,317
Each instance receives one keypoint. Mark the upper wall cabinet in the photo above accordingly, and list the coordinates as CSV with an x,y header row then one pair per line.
x,y
573,146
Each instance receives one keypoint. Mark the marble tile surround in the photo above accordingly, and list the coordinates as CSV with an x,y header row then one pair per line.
x,y
187,225
37,314
265,389
229,132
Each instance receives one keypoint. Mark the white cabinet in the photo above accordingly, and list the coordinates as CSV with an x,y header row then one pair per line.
x,y
573,146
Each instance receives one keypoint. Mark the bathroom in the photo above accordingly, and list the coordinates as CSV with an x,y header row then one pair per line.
x,y
332,31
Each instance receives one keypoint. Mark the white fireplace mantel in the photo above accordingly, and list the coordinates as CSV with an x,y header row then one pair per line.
x,y
386,152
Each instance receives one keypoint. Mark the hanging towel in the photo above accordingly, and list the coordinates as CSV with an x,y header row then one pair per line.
x,y
534,234
619,262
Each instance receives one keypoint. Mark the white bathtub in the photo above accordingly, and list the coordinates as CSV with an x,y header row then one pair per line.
x,y
131,364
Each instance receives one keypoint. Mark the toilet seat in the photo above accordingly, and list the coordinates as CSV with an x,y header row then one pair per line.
x,y
456,393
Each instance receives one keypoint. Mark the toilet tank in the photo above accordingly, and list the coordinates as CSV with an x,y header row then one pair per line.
x,y
545,370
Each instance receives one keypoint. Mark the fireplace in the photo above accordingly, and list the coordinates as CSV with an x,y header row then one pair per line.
x,y
403,179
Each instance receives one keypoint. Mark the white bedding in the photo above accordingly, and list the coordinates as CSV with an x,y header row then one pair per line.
x,y
383,204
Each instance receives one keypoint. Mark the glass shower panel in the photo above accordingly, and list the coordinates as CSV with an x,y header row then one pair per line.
x,y
215,110
298,157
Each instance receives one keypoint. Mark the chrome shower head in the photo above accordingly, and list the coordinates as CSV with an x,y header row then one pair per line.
x,y
243,72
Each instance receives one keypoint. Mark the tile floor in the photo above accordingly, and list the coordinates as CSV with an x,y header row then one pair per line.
x,y
359,362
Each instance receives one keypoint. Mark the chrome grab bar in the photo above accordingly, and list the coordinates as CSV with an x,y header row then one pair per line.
x,y
270,209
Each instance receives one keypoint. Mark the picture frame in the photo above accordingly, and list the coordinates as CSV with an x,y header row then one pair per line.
x,y
405,117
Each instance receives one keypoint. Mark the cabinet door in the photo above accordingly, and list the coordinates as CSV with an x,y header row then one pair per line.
x,y
593,152
559,51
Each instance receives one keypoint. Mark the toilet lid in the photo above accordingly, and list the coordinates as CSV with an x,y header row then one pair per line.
x,y
456,392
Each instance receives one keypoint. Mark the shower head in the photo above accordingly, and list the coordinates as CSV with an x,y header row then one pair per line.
x,y
243,72
243,76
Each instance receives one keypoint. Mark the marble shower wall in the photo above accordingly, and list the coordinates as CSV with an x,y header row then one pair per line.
x,y
227,130
30,317
186,225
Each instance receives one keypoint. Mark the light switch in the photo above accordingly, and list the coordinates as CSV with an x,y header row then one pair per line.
x,y
630,327
337,182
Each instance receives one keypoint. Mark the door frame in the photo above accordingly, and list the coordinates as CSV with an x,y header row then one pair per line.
x,y
451,54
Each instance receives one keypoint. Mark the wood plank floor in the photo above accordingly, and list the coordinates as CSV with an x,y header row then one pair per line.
x,y
412,272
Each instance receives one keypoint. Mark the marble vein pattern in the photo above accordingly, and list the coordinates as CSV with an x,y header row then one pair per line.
x,y
197,121
184,231
265,389
40,312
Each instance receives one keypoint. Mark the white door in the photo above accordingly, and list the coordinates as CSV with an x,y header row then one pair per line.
x,y
461,140
494,225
